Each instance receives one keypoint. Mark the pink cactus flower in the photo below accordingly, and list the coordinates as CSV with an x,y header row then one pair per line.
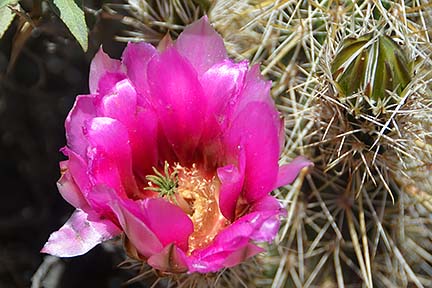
x,y
178,149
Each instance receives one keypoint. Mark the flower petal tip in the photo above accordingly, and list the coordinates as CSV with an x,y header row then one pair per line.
x,y
101,64
288,172
79,235
211,49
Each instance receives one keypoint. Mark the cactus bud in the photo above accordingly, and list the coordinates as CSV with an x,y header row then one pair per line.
x,y
371,65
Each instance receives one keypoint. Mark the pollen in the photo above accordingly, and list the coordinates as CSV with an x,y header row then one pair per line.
x,y
198,196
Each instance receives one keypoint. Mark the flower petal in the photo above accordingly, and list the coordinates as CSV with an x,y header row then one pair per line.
x,y
171,259
256,128
256,89
120,104
145,224
223,259
100,65
136,57
158,212
109,155
261,224
79,234
144,141
288,172
68,188
222,84
141,123
272,210
78,169
201,45
130,218
82,111
242,254
258,226
232,179
109,81
178,100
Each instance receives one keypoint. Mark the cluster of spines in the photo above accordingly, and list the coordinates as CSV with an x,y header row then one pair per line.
x,y
246,274
351,216
151,20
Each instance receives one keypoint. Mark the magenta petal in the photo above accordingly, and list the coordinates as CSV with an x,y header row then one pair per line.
x,y
141,123
82,111
224,258
272,211
110,154
231,178
222,84
256,89
68,188
267,203
254,129
100,65
78,169
167,221
258,226
144,140
109,81
120,104
171,259
136,57
201,45
81,172
210,264
178,100
130,218
261,224
242,254
288,172
79,234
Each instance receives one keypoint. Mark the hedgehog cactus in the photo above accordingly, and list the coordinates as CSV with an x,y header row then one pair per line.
x,y
352,79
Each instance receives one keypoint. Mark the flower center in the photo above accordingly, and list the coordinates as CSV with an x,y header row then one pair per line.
x,y
197,195
165,184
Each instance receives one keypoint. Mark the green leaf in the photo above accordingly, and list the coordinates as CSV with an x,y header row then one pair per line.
x,y
4,3
6,18
74,19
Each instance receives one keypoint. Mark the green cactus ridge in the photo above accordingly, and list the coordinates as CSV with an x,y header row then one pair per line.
x,y
372,65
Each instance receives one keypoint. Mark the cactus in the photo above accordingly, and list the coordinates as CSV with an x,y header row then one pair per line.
x,y
350,217
353,81
151,20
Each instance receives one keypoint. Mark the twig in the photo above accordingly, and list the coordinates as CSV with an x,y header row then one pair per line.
x,y
49,273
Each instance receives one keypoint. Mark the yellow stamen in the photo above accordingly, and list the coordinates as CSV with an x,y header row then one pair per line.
x,y
198,196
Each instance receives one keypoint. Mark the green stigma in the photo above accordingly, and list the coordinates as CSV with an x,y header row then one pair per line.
x,y
165,184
